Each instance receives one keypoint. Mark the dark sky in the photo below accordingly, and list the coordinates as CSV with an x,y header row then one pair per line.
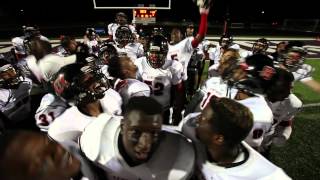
x,y
59,11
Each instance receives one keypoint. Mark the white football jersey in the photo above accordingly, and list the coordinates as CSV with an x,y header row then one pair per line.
x,y
93,46
132,50
303,73
19,46
262,119
244,54
45,68
216,53
50,108
159,80
15,103
112,28
131,87
262,114
247,165
283,115
181,52
70,124
173,159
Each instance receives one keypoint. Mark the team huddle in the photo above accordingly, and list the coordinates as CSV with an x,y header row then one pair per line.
x,y
134,106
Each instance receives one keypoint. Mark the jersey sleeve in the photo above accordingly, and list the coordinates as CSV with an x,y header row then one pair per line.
x,y
176,70
110,33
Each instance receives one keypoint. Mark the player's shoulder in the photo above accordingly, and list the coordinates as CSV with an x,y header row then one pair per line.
x,y
112,93
259,108
104,132
256,161
136,85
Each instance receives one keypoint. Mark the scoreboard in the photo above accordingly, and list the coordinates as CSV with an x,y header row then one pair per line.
x,y
144,16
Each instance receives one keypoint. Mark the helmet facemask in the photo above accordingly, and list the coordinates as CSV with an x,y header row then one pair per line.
x,y
91,86
295,58
123,36
156,58
9,77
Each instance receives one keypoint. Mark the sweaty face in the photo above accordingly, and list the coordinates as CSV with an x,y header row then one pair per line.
x,y
259,47
140,134
121,20
203,130
293,58
176,36
190,30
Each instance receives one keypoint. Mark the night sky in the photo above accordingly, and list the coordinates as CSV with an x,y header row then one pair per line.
x,y
32,11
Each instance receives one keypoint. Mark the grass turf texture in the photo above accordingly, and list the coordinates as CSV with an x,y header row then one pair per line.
x,y
300,158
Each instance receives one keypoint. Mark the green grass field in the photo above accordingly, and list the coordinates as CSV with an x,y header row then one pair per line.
x,y
300,157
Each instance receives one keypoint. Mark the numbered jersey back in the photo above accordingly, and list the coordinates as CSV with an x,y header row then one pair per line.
x,y
51,107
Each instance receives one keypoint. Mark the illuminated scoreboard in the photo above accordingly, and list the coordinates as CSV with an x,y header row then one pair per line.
x,y
144,16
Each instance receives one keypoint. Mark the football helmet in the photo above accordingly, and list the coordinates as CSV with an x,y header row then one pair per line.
x,y
157,51
80,84
252,75
10,76
225,40
123,36
106,52
260,46
295,57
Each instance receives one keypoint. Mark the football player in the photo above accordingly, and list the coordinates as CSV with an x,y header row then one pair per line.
x,y
260,46
121,20
68,46
33,156
165,84
89,91
127,84
125,44
43,64
181,50
294,62
106,53
225,42
21,44
246,83
218,133
14,93
92,40
284,106
136,146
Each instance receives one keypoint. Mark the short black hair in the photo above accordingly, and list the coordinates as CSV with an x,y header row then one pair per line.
x,y
231,119
148,105
114,67
281,79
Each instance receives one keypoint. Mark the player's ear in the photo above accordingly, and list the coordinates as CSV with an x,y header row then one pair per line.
x,y
218,139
